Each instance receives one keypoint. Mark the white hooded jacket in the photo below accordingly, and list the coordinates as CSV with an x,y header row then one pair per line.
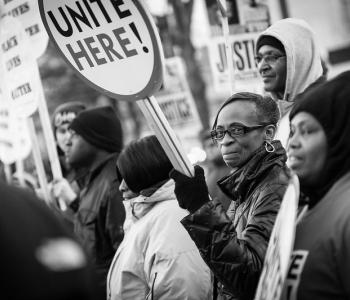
x,y
157,258
304,65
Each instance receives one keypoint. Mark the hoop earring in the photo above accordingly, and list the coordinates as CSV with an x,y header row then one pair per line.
x,y
269,147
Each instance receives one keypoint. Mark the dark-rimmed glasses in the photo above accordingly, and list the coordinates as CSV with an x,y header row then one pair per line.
x,y
234,131
268,58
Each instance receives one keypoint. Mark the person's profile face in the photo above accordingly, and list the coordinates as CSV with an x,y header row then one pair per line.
x,y
237,150
62,136
127,193
273,69
79,152
306,148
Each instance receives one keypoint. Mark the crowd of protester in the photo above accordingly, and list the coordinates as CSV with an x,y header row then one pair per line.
x,y
136,228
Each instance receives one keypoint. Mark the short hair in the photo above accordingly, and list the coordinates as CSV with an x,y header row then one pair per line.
x,y
143,163
266,108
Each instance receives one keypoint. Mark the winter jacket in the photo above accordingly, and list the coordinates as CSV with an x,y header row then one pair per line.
x,y
215,170
320,265
157,259
234,244
99,218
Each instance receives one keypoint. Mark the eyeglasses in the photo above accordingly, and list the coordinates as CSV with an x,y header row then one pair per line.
x,y
234,131
269,58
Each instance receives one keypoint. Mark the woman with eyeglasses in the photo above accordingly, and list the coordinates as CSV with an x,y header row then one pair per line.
x,y
234,243
319,153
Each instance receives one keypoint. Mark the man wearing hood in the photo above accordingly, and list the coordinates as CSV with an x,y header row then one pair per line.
x,y
289,62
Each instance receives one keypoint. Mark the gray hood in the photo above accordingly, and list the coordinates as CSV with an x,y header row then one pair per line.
x,y
303,56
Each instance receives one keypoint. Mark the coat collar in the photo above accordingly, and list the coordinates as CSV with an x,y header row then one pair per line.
x,y
238,184
99,165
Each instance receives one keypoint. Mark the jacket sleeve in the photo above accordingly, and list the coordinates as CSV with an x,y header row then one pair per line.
x,y
115,216
237,263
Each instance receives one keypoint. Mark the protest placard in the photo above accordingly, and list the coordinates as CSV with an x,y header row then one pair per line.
x,y
246,74
27,12
243,16
21,87
175,99
115,47
254,17
228,49
15,143
18,83
280,246
7,145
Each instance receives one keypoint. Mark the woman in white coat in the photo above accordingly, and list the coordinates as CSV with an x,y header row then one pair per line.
x,y
157,259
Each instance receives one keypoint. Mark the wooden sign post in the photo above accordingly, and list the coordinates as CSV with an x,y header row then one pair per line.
x,y
229,53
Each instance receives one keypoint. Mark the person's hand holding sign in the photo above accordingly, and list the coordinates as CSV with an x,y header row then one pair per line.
x,y
191,192
62,191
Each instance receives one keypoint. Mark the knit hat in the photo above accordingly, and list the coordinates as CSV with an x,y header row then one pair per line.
x,y
65,113
271,41
100,127
329,103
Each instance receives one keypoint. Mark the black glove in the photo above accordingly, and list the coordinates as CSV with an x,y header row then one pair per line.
x,y
191,192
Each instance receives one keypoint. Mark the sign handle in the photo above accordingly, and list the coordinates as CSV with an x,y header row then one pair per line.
x,y
166,136
229,54
20,172
38,161
8,174
49,139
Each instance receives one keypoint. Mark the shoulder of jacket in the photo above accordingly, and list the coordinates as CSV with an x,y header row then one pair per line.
x,y
277,175
275,183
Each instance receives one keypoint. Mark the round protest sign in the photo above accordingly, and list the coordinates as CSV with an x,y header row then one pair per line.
x,y
113,45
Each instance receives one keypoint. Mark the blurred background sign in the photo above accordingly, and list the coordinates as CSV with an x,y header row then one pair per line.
x,y
246,74
18,68
27,11
175,99
15,142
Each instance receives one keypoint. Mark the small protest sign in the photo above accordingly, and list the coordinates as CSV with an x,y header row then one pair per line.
x,y
175,98
243,16
254,17
110,44
280,247
14,137
246,73
27,12
17,65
